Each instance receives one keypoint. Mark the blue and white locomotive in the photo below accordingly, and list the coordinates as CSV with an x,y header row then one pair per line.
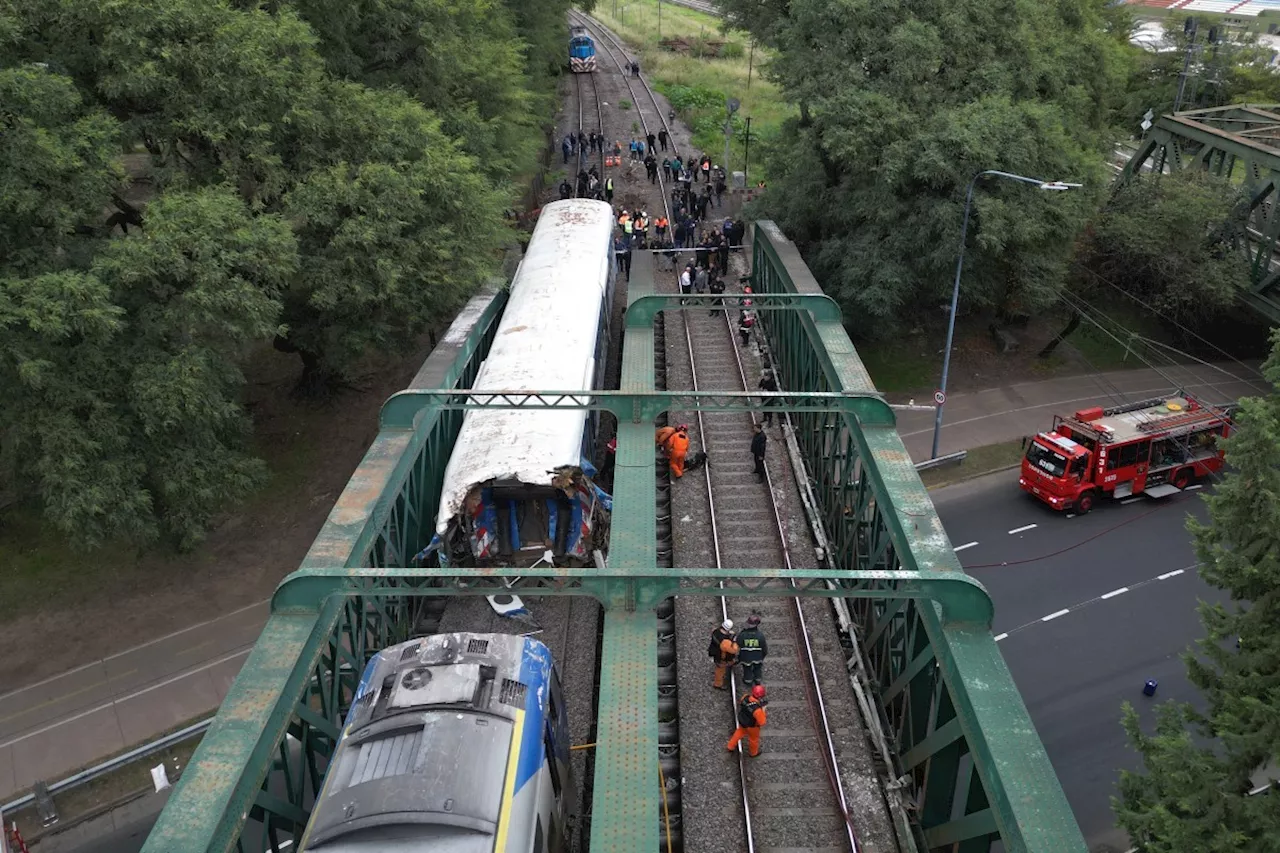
x,y
455,742
518,488
582,50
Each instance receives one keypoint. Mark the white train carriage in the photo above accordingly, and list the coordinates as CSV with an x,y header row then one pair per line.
x,y
518,484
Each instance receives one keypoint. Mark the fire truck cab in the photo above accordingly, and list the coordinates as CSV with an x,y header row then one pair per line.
x,y
1155,447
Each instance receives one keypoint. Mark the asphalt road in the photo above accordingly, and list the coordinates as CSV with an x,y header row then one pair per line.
x,y
1087,609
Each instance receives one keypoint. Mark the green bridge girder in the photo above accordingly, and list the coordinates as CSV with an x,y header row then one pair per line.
x,y
957,723
1221,140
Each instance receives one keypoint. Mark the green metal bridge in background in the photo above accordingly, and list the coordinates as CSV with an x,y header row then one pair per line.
x,y
958,726
1238,140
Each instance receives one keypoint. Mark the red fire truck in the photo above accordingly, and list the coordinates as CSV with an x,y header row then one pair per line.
x,y
1155,447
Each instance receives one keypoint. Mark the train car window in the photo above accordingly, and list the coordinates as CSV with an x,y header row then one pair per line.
x,y
552,761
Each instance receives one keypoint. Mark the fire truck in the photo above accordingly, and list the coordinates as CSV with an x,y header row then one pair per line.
x,y
1155,447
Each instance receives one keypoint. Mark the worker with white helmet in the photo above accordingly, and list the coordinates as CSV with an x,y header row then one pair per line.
x,y
723,649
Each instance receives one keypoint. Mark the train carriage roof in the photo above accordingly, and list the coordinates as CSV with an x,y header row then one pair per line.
x,y
545,341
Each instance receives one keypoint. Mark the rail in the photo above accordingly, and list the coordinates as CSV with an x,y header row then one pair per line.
x,y
583,156
818,705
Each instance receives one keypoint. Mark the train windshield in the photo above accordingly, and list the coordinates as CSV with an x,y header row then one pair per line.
x,y
1051,462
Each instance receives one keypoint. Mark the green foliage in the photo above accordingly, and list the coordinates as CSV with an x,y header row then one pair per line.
x,y
1194,796
625,104
121,385
732,50
463,60
900,106
1169,240
59,167
326,176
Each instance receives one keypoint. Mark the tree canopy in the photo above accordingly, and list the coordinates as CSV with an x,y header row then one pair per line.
x,y
1194,793
923,96
1170,240
185,181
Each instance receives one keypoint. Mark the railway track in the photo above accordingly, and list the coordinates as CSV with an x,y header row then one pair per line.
x,y
793,798
747,530
586,158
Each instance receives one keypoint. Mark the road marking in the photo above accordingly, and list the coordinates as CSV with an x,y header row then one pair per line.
x,y
196,647
960,548
1022,529
241,653
133,649
1071,515
1084,604
1000,637
1193,487
1128,501
56,699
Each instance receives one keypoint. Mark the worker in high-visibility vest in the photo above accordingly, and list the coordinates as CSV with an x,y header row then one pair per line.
x,y
751,719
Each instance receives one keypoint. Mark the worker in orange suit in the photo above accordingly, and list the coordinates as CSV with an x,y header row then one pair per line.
x,y
723,650
663,435
677,448
751,719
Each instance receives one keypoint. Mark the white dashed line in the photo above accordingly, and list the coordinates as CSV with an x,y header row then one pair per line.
x,y
960,548
1063,612
1172,574
1121,591
1071,515
1022,529
1193,487
1000,637
1127,501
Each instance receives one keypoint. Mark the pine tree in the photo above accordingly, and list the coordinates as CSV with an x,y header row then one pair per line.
x,y
1194,795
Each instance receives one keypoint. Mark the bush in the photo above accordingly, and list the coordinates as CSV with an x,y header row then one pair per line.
x,y
732,50
624,104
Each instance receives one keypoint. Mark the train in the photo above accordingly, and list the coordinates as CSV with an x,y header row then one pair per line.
x,y
455,742
582,51
518,490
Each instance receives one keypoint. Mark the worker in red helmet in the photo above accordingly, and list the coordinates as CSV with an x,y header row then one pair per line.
x,y
751,719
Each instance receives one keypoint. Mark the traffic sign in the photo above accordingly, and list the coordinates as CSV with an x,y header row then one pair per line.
x,y
1146,125
939,397
733,104
1148,115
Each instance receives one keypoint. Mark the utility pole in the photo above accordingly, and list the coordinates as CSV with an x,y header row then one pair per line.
x,y
751,58
659,20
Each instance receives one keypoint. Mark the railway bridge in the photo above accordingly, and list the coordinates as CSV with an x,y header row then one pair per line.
x,y
979,777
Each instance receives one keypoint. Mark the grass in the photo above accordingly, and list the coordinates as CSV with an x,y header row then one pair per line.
x,y
979,461
1104,352
698,87
898,365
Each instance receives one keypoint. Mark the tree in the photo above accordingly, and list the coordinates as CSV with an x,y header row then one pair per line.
x,y
60,169
385,249
121,384
1170,241
871,176
461,60
1194,793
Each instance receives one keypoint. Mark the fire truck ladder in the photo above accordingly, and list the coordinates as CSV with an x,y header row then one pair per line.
x,y
1184,419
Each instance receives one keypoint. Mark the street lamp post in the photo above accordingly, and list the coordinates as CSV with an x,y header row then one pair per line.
x,y
941,397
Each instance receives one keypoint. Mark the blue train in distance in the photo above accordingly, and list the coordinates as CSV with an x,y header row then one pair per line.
x,y
582,51
455,742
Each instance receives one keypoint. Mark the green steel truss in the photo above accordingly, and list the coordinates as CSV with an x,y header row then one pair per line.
x,y
959,726
1220,140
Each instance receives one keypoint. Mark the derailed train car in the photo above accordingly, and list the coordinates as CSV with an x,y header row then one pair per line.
x,y
455,742
519,482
